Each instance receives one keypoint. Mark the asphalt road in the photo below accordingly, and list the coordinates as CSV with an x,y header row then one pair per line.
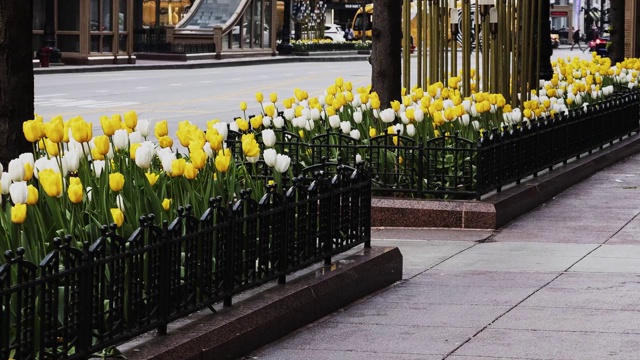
x,y
197,95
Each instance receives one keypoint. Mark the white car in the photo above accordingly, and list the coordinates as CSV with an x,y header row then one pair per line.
x,y
333,32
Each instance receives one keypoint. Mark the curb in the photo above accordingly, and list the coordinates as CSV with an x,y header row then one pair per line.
x,y
268,315
503,207
197,65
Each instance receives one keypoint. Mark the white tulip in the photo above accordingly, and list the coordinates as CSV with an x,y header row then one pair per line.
x,y
411,130
306,113
19,192
310,125
387,115
376,114
578,99
466,104
144,156
110,154
464,119
358,158
143,127
269,156
357,117
72,158
253,159
516,116
222,128
278,122
282,163
120,139
166,160
403,117
356,102
506,117
5,183
89,193
474,112
234,127
266,121
631,85
268,137
355,133
27,158
447,104
314,114
334,121
345,126
135,138
304,103
41,164
16,170
543,92
321,100
476,125
289,114
120,203
419,115
398,129
98,165
207,149
60,165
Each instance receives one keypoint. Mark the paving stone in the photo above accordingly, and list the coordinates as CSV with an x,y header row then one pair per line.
x,y
611,258
593,281
493,279
517,257
569,319
295,354
548,345
377,312
547,234
430,234
387,338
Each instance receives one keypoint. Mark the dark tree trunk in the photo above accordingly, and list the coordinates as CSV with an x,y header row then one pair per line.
x,y
16,76
386,62
616,49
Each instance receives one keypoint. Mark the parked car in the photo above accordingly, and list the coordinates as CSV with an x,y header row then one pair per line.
x,y
600,45
333,32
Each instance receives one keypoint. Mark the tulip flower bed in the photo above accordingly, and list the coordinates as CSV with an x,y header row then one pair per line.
x,y
287,173
303,46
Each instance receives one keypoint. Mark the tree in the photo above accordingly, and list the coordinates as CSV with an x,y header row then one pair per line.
x,y
616,49
16,76
386,62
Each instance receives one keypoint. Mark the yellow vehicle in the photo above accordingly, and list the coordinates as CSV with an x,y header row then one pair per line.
x,y
358,19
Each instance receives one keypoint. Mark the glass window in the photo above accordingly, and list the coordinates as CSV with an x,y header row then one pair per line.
x,y
38,15
69,15
69,43
149,13
122,18
107,12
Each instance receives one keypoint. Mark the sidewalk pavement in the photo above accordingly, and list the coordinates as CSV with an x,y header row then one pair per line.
x,y
198,64
561,282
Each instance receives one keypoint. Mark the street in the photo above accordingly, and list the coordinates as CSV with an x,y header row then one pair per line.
x,y
197,95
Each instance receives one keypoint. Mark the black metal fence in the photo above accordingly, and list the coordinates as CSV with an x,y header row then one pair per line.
x,y
453,167
79,301
154,40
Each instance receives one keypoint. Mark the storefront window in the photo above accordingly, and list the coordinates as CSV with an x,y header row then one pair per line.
x,y
69,15
122,16
38,14
69,43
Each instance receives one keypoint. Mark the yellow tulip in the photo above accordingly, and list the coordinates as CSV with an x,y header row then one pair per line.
x,y
95,154
330,111
222,162
250,146
177,167
270,110
395,105
287,103
339,82
372,132
165,142
102,144
161,129
131,119
364,98
54,129
31,131
166,204
132,150
51,182
215,139
108,127
256,122
75,190
243,106
438,118
243,125
301,133
116,181
81,130
375,103
198,159
332,90
117,216
18,213
52,148
190,171
32,197
28,171
273,97
259,97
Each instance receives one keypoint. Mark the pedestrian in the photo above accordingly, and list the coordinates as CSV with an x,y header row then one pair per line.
x,y
576,39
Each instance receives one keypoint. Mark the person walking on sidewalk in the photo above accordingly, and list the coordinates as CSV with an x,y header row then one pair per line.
x,y
576,39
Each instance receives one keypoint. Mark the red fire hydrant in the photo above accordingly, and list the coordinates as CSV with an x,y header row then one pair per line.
x,y
45,53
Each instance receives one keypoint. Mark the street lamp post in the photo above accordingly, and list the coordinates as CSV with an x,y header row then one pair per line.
x,y
49,53
285,47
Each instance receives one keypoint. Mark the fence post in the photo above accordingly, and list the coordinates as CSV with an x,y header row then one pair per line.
x,y
285,241
86,297
420,167
165,282
229,262
479,168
